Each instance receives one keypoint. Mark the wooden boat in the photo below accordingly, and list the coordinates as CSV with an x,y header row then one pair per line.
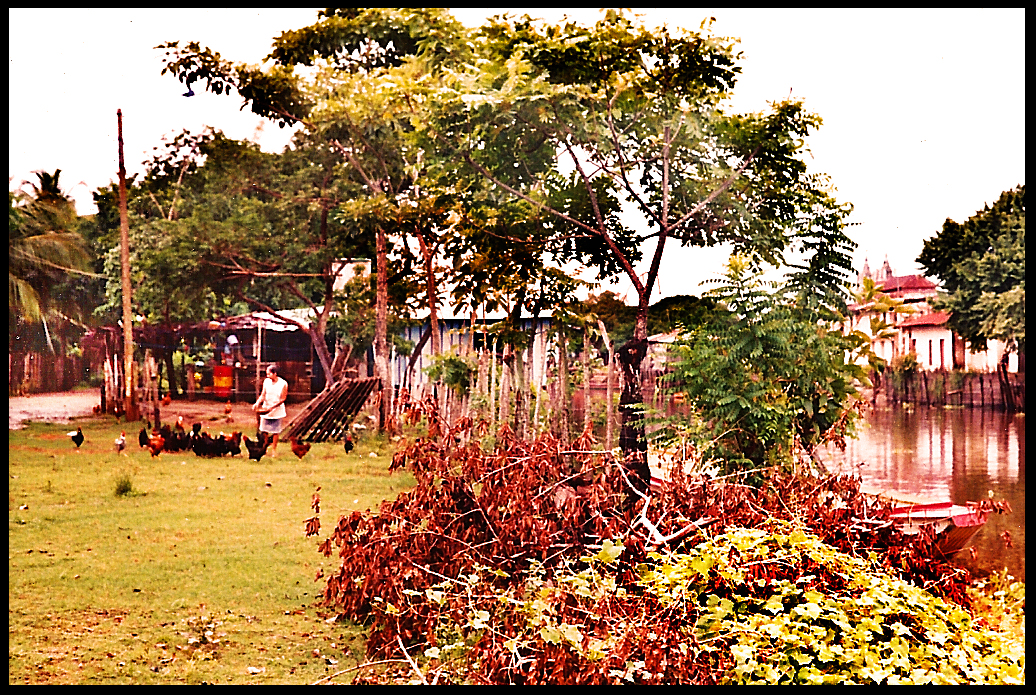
x,y
955,524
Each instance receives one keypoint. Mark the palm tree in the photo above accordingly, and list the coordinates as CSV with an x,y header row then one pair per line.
x,y
43,246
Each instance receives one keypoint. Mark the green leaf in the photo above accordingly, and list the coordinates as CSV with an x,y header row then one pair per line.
x,y
609,552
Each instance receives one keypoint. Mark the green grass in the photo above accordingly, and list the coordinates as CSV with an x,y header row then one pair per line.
x,y
198,572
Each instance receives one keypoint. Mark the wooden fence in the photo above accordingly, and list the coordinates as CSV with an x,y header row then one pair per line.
x,y
969,389
42,372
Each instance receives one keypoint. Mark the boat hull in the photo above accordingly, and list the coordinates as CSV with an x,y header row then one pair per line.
x,y
955,525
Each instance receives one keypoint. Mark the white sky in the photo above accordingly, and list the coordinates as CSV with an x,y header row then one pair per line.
x,y
924,110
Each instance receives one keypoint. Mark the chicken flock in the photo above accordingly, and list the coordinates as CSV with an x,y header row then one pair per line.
x,y
174,439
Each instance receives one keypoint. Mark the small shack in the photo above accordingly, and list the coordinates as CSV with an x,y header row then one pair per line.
x,y
243,346
222,359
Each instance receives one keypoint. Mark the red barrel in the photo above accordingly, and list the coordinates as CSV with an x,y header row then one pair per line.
x,y
222,380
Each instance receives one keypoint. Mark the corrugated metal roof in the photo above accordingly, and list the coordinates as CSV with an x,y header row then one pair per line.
x,y
269,322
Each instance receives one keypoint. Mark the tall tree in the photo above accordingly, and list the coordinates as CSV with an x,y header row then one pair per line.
x,y
259,224
981,264
350,55
360,92
585,122
44,247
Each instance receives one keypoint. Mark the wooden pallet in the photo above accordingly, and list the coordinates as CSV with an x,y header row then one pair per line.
x,y
328,416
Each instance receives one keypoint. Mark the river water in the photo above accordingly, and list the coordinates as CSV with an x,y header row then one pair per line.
x,y
956,454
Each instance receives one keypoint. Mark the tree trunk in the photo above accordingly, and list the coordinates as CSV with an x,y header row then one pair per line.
x,y
564,404
433,296
632,438
492,388
540,383
609,393
505,387
1006,392
128,394
482,385
521,409
587,419
151,387
342,354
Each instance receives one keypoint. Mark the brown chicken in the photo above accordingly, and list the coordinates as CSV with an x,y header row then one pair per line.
x,y
155,444
166,399
298,448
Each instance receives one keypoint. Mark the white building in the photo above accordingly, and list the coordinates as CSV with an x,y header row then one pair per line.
x,y
924,332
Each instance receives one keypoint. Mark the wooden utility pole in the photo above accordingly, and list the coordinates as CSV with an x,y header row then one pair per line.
x,y
129,399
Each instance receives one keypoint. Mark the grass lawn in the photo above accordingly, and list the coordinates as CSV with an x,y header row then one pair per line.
x,y
200,574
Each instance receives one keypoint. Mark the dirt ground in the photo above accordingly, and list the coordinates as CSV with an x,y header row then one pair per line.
x,y
61,407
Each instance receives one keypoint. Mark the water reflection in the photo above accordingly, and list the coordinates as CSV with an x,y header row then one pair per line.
x,y
954,454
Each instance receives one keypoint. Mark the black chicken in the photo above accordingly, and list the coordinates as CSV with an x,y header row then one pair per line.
x,y
142,438
256,450
348,443
77,437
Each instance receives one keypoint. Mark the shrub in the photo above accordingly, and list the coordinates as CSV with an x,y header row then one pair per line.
x,y
745,607
123,485
483,570
767,376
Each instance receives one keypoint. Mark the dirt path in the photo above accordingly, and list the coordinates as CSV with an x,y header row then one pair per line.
x,y
51,407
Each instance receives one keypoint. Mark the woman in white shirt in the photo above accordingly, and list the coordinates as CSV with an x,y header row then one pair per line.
x,y
270,406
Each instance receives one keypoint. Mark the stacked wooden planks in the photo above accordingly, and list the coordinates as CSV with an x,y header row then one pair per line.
x,y
328,416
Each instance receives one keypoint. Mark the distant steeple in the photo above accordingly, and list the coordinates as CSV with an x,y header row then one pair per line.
x,y
866,272
886,269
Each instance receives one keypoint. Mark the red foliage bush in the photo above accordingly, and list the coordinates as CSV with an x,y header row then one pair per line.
x,y
529,504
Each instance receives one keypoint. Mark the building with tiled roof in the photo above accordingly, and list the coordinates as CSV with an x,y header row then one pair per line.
x,y
921,330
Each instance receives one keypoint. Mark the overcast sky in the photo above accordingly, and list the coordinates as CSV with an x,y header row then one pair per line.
x,y
924,110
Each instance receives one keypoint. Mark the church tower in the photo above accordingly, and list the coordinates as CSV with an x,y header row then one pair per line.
x,y
865,273
886,271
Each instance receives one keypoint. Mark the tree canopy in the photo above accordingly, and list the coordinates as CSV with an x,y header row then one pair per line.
x,y
981,264
586,123
545,137
45,248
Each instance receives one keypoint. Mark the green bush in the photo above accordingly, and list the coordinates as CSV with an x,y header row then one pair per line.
x,y
454,371
768,375
123,485
906,364
727,611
